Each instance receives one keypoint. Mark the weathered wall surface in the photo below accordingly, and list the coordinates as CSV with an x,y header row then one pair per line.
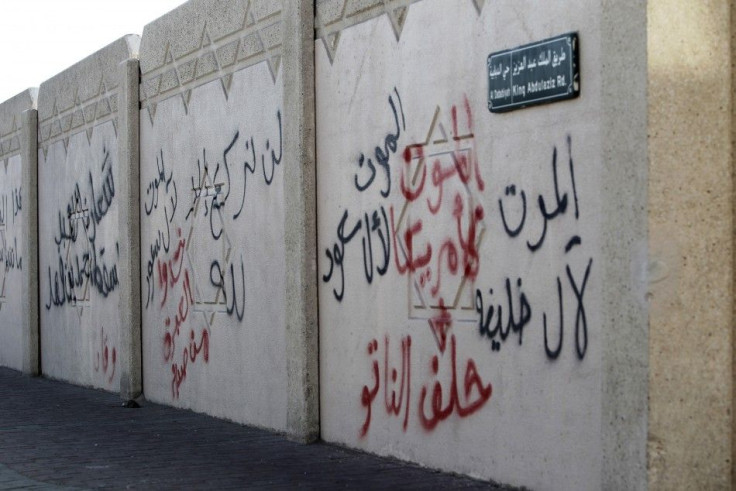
x,y
84,229
474,267
18,228
482,277
213,211
691,246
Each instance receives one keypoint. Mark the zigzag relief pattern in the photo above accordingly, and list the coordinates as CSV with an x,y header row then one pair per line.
x,y
259,39
10,142
334,16
11,122
81,116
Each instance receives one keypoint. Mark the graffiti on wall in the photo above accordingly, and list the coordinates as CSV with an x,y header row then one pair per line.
x,y
9,252
440,182
105,358
440,393
373,224
83,265
174,278
162,188
433,239
552,206
194,270
217,208
10,255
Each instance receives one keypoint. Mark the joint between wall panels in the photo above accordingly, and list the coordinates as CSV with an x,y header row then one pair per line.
x,y
131,380
732,104
31,337
302,323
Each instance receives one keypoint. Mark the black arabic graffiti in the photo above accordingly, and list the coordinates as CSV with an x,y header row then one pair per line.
x,y
10,257
72,274
581,321
75,268
163,236
152,191
212,192
10,254
383,153
219,281
374,222
560,201
513,219
513,324
17,202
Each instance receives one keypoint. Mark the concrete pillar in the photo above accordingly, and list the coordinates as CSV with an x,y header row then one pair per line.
x,y
691,209
29,148
300,189
624,194
131,383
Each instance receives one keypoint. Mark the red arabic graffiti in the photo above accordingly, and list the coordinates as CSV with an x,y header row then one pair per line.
x,y
475,392
181,315
436,235
392,406
444,165
368,394
166,274
393,401
169,274
461,398
106,357
190,354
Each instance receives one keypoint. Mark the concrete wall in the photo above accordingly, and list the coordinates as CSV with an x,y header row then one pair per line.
x,y
219,150
86,235
18,229
691,244
459,327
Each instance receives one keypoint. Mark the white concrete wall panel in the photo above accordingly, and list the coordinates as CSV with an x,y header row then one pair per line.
x,y
461,302
15,277
212,211
11,269
82,196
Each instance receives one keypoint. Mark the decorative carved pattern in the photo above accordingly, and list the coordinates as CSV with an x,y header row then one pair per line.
x,y
334,16
259,39
10,143
11,123
81,116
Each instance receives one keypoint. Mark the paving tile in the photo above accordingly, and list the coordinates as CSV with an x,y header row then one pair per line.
x,y
55,435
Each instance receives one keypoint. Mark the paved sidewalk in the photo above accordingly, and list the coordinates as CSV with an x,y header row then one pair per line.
x,y
58,436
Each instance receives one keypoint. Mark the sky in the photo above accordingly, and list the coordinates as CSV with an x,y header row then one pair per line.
x,y
41,38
